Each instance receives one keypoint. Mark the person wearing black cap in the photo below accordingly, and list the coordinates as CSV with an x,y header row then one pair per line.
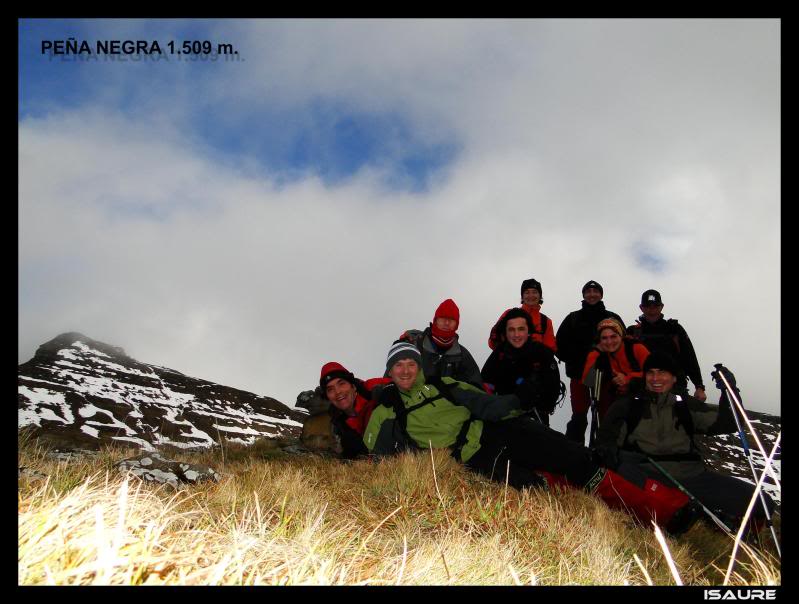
x,y
488,434
660,424
543,329
666,335
575,338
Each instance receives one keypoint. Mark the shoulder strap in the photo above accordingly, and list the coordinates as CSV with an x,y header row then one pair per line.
x,y
629,350
390,397
634,414
684,418
675,334
445,391
544,320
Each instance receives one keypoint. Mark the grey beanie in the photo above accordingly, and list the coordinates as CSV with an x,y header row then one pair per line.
x,y
402,350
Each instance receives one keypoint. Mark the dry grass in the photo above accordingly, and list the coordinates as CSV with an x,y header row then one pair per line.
x,y
412,520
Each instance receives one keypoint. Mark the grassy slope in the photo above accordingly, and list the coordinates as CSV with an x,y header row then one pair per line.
x,y
415,519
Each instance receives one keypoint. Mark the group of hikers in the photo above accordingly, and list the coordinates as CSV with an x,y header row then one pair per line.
x,y
643,457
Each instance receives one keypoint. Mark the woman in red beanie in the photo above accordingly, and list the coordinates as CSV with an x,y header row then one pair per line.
x,y
442,354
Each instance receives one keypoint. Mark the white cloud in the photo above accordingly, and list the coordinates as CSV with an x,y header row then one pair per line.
x,y
581,140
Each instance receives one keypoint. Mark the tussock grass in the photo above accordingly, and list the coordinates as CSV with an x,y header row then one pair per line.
x,y
417,519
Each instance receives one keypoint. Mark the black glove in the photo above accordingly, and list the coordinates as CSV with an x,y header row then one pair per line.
x,y
722,370
528,394
608,455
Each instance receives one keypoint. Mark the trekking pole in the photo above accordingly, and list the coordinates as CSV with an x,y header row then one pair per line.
x,y
594,394
720,378
718,375
693,499
749,511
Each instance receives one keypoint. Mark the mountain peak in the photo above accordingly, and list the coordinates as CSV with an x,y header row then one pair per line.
x,y
81,391
70,338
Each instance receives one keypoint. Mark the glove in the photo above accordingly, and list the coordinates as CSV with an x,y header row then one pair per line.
x,y
608,455
722,370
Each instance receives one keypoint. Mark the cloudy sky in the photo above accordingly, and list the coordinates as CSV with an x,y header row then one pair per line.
x,y
246,217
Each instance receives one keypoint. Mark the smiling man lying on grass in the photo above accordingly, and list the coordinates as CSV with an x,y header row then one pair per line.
x,y
490,433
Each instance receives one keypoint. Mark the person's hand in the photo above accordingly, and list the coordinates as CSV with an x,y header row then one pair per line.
x,y
609,456
620,379
699,394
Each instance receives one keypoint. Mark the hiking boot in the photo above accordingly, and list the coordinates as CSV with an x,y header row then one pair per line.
x,y
684,518
655,501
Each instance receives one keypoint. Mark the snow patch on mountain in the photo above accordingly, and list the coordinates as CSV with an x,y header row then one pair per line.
x,y
91,391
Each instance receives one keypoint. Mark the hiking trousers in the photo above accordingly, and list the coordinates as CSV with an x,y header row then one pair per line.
x,y
529,447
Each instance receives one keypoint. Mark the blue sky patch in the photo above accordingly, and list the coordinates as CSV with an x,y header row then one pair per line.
x,y
649,259
321,137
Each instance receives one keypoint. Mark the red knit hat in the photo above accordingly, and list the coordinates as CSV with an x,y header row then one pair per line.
x,y
333,370
448,310
441,337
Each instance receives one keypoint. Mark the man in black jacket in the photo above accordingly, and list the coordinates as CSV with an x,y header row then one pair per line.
x,y
575,338
518,358
668,336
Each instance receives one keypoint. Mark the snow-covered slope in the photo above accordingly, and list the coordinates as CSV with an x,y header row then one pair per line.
x,y
85,392
724,452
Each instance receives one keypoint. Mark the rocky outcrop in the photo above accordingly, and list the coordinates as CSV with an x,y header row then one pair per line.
x,y
152,467
78,392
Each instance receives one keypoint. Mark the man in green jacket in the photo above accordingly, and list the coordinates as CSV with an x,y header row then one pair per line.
x,y
658,425
490,433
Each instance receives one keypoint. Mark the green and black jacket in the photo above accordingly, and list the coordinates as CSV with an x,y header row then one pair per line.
x,y
449,415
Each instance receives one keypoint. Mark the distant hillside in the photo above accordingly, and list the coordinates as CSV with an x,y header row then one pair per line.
x,y
82,392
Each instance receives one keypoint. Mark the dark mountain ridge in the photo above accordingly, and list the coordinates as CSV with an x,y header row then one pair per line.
x,y
86,393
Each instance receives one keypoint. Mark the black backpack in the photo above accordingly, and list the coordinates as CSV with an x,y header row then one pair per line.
x,y
545,376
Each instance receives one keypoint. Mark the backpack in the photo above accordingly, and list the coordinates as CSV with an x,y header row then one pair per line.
x,y
545,375
637,332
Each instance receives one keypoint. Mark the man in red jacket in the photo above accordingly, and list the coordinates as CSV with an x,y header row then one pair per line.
x,y
543,329
351,405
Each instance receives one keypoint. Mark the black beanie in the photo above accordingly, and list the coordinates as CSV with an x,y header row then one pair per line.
x,y
532,284
661,360
595,285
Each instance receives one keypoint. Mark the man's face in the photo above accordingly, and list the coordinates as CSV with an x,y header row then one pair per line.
x,y
651,312
445,323
592,295
531,296
609,340
341,394
403,373
517,332
659,380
